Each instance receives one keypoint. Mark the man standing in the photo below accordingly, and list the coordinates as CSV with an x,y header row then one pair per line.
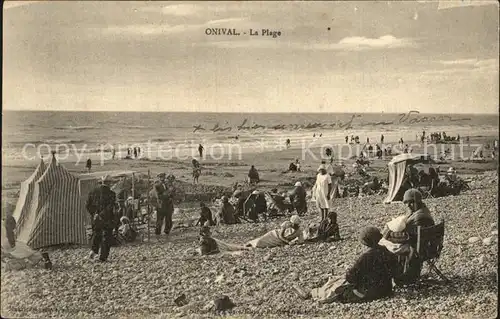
x,y
101,207
89,165
200,150
164,205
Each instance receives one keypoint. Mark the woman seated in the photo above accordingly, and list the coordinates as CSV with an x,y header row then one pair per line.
x,y
328,229
208,245
205,216
370,278
126,232
290,233
227,213
399,236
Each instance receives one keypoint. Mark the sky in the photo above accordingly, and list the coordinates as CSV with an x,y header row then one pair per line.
x,y
331,56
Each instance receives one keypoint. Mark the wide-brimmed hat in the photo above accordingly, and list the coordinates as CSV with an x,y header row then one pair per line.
x,y
255,192
161,175
322,167
298,184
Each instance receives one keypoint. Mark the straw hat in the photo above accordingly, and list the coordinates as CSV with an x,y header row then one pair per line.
x,y
298,184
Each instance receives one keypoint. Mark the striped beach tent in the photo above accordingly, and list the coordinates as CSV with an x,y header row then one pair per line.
x,y
397,169
57,215
24,201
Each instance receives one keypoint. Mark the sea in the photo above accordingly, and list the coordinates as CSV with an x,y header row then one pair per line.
x,y
29,135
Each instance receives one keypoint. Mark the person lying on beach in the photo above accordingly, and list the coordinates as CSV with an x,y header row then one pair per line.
x,y
253,175
227,213
205,216
298,198
289,233
370,278
17,255
208,245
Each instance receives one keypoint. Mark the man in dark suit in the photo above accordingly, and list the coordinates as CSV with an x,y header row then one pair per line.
x,y
101,207
164,205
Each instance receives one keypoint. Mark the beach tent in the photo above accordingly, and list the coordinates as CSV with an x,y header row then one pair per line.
x,y
397,168
26,195
57,215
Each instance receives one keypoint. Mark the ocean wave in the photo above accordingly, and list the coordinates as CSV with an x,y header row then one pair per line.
x,y
63,141
74,128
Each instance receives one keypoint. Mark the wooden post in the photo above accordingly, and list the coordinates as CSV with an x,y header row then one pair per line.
x,y
149,204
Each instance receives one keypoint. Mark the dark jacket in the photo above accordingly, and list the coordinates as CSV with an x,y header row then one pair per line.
x,y
372,273
205,215
421,217
164,196
227,214
298,197
10,226
102,201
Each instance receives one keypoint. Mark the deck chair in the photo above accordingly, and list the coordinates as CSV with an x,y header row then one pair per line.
x,y
428,191
429,246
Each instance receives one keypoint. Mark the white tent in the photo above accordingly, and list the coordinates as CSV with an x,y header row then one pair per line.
x,y
56,214
26,195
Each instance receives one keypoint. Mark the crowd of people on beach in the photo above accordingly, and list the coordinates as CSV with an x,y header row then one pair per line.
x,y
390,255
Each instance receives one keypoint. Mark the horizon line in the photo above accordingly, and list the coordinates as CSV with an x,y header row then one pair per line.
x,y
219,112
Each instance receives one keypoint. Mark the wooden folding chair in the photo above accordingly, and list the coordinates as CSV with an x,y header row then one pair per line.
x,y
429,247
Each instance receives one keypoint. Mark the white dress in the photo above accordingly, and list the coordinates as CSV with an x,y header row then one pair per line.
x,y
320,191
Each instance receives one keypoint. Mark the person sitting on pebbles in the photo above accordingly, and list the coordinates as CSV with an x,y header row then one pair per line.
x,y
205,216
208,245
227,214
289,233
253,175
126,232
399,235
298,198
17,254
370,278
328,229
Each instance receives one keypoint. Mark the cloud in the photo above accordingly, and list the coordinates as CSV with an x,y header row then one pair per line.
x,y
386,41
465,66
346,44
157,29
